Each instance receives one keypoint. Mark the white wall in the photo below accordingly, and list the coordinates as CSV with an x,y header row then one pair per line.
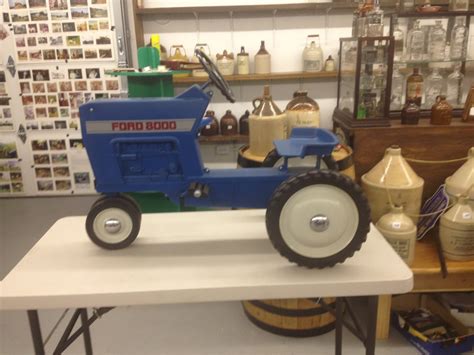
x,y
285,36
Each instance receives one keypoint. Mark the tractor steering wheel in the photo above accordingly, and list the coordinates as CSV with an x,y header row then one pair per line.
x,y
215,75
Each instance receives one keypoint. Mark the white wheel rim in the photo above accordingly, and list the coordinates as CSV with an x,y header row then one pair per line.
x,y
303,206
112,235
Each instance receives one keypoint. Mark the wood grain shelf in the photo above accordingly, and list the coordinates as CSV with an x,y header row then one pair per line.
x,y
235,139
260,77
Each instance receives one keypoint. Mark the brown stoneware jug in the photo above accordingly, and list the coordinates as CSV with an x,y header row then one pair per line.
x,y
441,112
229,125
211,129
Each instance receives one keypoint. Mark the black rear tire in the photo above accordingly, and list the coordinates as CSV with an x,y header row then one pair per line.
x,y
333,181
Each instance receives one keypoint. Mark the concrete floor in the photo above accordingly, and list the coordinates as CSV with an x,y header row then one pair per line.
x,y
211,328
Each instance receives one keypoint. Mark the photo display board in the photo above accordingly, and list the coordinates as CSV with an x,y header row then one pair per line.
x,y
61,50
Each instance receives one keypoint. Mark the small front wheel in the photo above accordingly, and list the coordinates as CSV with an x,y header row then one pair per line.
x,y
113,222
318,218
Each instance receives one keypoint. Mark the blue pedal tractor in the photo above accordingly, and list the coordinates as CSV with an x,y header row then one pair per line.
x,y
315,218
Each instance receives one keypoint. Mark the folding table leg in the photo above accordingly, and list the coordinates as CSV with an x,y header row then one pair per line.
x,y
36,332
371,325
87,333
339,323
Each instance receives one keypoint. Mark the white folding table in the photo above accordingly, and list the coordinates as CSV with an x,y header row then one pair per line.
x,y
184,258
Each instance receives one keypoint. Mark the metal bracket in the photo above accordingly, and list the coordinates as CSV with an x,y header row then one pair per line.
x,y
11,67
21,133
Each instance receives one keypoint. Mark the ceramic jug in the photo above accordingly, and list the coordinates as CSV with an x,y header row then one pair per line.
x,y
206,50
229,125
211,129
243,62
263,60
313,55
244,123
441,112
410,112
394,177
225,63
400,231
456,231
266,123
302,111
462,181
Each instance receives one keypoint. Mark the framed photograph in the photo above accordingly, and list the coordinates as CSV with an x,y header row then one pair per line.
x,y
49,54
63,185
20,17
56,41
73,41
38,88
76,144
39,144
57,144
75,74
75,100
105,53
17,4
29,112
59,15
60,124
41,159
47,125
20,41
41,75
40,100
61,172
81,26
19,29
43,173
62,54
93,26
90,53
52,99
31,41
65,86
36,3
32,28
88,96
104,25
35,55
73,125
103,40
80,85
76,53
24,74
97,85
87,40
111,85
44,28
53,112
64,112
60,158
82,178
58,4
25,87
43,41
45,185
63,101
80,12
41,112
69,27
4,188
98,12
27,100
92,73
8,150
39,15
57,27
32,126
79,3
16,176
7,112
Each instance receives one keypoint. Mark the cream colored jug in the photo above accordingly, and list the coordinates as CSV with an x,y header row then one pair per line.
x,y
263,60
393,175
266,124
462,180
205,49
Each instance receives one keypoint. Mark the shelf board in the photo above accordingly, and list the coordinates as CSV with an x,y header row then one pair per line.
x,y
261,77
219,139
246,8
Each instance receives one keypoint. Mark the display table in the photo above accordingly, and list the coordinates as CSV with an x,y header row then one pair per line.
x,y
184,258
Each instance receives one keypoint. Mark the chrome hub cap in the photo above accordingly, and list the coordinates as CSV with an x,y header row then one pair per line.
x,y
319,223
112,225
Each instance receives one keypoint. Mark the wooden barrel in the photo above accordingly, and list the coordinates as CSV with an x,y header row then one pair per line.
x,y
301,317
246,159
342,154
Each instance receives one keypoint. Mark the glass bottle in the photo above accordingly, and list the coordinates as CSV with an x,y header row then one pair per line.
x,y
363,19
408,5
396,98
410,112
355,18
437,41
458,39
433,88
458,5
454,86
367,82
361,111
398,36
416,42
414,87
379,78
375,21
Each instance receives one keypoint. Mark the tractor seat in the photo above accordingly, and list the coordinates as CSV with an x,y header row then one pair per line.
x,y
306,141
